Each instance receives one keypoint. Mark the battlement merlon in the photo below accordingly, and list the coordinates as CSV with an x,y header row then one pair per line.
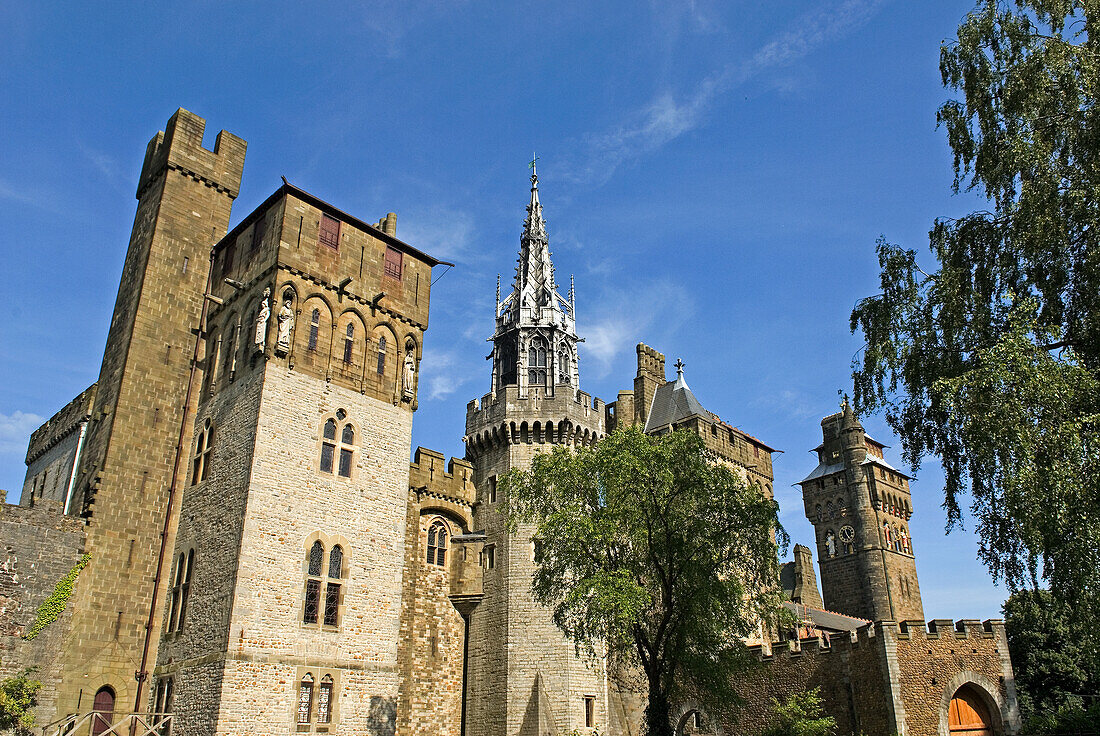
x,y
179,146
430,472
573,414
967,628
61,424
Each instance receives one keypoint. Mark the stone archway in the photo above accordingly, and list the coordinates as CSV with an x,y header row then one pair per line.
x,y
967,714
972,705
690,718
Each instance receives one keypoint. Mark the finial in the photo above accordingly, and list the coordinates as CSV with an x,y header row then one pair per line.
x,y
572,292
534,171
679,368
498,289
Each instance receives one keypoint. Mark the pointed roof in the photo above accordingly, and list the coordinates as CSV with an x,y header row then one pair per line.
x,y
673,402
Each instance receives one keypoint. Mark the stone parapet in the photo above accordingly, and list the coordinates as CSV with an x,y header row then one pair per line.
x,y
432,474
179,146
61,424
506,418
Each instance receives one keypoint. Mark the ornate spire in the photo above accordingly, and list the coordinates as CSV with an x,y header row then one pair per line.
x,y
535,340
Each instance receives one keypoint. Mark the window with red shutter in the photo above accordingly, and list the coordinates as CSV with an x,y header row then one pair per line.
x,y
330,232
393,263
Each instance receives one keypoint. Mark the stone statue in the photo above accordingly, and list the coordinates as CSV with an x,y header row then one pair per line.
x,y
286,324
260,339
830,544
408,375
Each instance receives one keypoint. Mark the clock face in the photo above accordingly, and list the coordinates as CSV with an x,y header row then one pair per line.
x,y
847,533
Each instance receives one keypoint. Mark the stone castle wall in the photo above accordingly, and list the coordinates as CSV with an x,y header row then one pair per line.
x,y
53,449
884,678
38,547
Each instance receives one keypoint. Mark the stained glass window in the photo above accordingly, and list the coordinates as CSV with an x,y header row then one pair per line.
x,y
324,700
336,562
313,601
332,603
305,699
345,462
316,557
349,342
381,355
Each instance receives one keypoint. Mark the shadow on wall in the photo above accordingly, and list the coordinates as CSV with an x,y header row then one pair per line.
x,y
538,719
383,716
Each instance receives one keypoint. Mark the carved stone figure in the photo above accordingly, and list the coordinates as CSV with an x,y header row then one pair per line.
x,y
408,375
830,544
286,324
262,315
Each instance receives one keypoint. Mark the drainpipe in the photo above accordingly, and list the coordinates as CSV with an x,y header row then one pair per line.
x,y
76,464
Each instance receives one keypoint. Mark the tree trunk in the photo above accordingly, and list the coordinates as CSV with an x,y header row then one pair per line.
x,y
657,721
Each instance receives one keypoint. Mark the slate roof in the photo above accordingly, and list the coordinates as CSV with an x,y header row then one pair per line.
x,y
822,469
672,403
825,620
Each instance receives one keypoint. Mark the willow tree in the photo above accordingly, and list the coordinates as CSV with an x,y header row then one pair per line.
x,y
987,354
650,554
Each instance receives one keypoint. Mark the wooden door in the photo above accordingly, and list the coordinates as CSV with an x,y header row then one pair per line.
x,y
104,708
968,715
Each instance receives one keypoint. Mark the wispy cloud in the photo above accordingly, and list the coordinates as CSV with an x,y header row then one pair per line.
x,y
625,315
446,371
15,430
444,233
392,20
788,403
105,164
668,116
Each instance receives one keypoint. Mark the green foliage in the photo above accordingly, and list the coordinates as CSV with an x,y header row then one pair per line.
x,y
54,606
1066,720
651,553
18,696
1055,659
992,360
801,714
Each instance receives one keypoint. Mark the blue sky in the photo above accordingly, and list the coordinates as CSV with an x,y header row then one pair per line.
x,y
714,174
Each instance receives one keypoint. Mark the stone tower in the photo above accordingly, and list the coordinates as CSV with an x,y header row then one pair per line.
x,y
860,508
524,676
125,474
284,607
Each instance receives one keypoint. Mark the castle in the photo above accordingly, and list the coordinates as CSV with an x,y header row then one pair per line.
x,y
263,558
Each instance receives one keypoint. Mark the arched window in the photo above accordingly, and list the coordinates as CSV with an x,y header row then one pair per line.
x,y
314,329
347,446
313,583
507,359
565,367
324,700
332,586
328,446
817,512
229,358
305,699
536,362
829,509
200,469
381,355
181,590
437,544
349,342
329,578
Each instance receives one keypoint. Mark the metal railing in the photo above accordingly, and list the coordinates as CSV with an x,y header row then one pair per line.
x,y
98,723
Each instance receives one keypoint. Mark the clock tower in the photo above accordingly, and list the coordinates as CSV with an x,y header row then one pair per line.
x,y
860,507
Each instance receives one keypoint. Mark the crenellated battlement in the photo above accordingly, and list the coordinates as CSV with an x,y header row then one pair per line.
x,y
944,628
431,473
506,418
179,146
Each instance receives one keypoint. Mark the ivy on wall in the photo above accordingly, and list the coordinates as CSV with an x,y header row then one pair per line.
x,y
53,606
